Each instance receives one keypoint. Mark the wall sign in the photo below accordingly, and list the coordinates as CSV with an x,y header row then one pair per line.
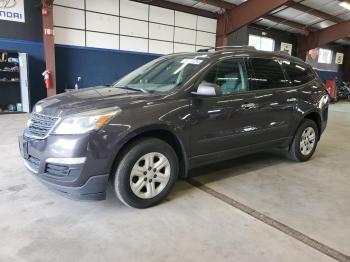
x,y
339,58
12,10
286,47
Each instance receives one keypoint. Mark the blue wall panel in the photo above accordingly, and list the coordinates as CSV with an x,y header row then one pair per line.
x,y
35,51
95,66
328,75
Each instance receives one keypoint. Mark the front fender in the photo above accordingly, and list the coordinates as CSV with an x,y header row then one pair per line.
x,y
156,130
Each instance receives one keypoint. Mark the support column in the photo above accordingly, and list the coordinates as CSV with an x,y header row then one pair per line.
x,y
49,43
221,36
302,48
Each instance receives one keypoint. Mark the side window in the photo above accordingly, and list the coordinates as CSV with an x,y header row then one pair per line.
x,y
298,74
229,76
268,74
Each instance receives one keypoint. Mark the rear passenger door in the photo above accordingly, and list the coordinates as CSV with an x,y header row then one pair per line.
x,y
297,94
270,87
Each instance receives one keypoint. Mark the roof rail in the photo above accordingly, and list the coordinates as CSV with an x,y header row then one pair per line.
x,y
204,50
246,47
282,52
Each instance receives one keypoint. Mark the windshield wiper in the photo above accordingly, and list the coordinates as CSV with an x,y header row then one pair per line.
x,y
133,88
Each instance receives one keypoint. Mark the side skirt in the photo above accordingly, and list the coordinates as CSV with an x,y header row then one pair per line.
x,y
210,158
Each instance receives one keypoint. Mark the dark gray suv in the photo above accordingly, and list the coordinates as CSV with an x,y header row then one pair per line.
x,y
175,113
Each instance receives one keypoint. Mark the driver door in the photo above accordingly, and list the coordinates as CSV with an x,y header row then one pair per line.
x,y
222,121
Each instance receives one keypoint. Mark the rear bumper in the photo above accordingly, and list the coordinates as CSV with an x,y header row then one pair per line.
x,y
324,119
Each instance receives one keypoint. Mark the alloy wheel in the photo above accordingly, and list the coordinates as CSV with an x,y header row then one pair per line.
x,y
150,175
308,141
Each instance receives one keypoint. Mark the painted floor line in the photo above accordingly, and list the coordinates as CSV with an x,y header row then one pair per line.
x,y
331,252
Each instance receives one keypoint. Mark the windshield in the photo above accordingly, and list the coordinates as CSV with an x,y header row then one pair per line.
x,y
162,74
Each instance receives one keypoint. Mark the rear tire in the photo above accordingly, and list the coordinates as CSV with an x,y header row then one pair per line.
x,y
304,142
146,173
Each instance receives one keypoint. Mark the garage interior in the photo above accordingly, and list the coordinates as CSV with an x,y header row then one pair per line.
x,y
261,207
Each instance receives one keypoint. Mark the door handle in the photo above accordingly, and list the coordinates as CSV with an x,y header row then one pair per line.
x,y
292,99
247,106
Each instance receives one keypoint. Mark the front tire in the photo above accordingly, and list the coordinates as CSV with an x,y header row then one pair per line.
x,y
146,173
304,142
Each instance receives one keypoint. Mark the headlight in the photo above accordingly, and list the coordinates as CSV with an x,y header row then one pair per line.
x,y
85,122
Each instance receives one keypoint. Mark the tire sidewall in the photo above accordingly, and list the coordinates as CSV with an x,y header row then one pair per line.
x,y
297,140
134,152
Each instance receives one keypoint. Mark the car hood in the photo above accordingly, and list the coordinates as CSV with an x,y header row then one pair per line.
x,y
89,99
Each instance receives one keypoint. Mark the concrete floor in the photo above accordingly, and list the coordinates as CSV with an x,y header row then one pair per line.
x,y
191,225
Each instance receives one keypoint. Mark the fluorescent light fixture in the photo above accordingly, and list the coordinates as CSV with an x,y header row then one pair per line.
x,y
345,4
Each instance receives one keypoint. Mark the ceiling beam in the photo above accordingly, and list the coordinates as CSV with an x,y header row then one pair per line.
x,y
294,5
224,20
278,20
314,12
218,3
248,12
241,15
289,23
179,7
331,33
308,10
323,36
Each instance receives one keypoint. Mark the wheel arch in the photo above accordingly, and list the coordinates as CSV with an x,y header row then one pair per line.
x,y
316,117
312,115
162,133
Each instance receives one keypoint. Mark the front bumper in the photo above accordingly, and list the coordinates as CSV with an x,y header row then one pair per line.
x,y
75,166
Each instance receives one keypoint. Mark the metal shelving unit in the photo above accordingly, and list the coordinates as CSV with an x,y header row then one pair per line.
x,y
13,82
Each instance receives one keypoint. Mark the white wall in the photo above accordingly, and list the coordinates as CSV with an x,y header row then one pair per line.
x,y
131,26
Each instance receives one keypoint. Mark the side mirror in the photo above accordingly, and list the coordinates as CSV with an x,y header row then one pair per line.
x,y
205,89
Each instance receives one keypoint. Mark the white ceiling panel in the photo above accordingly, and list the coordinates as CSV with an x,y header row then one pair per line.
x,y
207,7
270,24
295,31
279,9
282,27
184,2
323,24
343,41
289,13
197,5
345,16
331,7
298,16
236,2
308,19
266,22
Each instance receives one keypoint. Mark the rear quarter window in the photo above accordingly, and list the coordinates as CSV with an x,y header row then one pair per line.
x,y
267,73
298,74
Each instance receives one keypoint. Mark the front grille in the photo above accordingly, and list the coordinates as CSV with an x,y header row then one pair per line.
x,y
57,170
41,125
33,162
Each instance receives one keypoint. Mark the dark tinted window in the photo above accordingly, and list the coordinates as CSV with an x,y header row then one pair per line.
x,y
268,74
298,74
229,76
